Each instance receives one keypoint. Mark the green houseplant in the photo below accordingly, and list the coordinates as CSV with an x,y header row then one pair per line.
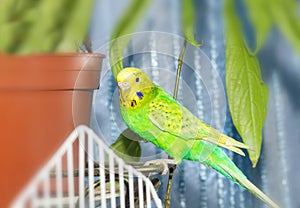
x,y
46,85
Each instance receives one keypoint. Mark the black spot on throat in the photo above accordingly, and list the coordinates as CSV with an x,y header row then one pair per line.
x,y
133,103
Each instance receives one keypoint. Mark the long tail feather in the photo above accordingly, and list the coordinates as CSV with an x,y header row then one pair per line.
x,y
243,181
230,170
227,143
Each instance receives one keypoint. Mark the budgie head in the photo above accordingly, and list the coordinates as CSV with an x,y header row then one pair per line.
x,y
134,86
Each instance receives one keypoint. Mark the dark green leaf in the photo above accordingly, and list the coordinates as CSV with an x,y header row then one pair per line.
x,y
123,31
188,21
127,146
247,94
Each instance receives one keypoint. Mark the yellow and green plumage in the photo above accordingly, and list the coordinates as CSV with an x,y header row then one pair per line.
x,y
154,115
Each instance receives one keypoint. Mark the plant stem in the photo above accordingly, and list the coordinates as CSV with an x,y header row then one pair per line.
x,y
173,168
180,61
88,45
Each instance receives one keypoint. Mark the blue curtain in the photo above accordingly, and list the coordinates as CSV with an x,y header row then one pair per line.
x,y
202,90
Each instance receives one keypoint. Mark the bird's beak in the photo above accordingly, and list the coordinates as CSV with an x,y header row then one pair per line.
x,y
123,86
121,95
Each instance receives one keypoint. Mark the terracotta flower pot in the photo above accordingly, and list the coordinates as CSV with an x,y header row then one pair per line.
x,y
42,99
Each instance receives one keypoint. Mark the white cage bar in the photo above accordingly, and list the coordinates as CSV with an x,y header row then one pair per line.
x,y
74,177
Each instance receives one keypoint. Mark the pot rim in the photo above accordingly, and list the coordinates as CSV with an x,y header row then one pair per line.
x,y
51,71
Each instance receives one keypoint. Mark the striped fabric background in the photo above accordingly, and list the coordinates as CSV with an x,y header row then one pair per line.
x,y
278,170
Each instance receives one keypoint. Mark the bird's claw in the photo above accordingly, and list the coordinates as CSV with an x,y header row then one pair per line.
x,y
164,162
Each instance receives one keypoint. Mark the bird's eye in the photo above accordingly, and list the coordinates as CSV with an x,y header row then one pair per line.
x,y
137,80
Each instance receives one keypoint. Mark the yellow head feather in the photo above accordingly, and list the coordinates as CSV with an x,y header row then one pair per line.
x,y
133,85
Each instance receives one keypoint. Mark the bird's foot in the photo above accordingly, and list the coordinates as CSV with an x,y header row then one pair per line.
x,y
164,162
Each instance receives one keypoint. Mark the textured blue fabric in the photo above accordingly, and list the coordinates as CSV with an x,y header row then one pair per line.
x,y
278,170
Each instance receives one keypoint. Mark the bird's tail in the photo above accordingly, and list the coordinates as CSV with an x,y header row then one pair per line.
x,y
231,171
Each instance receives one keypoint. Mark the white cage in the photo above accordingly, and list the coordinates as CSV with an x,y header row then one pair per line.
x,y
74,178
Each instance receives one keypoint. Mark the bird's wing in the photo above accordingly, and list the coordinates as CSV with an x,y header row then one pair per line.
x,y
170,116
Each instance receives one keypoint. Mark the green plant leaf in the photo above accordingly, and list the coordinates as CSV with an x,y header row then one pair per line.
x,y
247,94
127,146
188,21
286,17
123,31
76,25
44,26
8,10
261,20
16,20
10,33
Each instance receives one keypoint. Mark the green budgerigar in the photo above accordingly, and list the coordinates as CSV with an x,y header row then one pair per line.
x,y
157,117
